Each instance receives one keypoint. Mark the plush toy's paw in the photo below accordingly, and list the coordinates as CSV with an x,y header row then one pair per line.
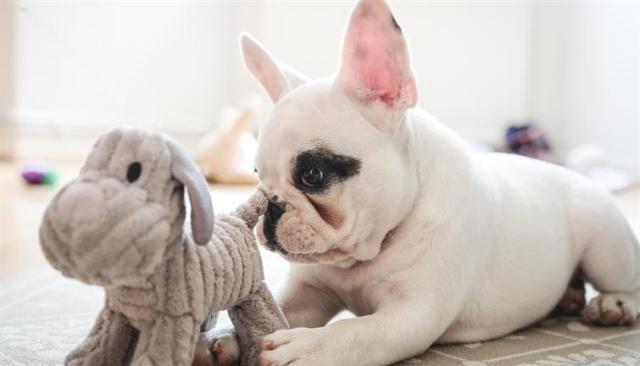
x,y
219,350
611,310
298,346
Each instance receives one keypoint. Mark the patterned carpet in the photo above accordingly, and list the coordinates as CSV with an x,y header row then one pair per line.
x,y
44,315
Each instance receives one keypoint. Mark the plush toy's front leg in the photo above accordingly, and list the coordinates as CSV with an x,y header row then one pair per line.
x,y
108,343
253,319
167,341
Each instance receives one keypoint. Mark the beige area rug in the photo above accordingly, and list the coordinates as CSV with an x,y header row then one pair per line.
x,y
43,316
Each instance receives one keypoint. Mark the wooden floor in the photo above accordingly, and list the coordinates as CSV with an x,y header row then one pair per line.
x,y
22,206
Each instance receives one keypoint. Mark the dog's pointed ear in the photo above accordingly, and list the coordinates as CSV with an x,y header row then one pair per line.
x,y
277,78
375,71
186,171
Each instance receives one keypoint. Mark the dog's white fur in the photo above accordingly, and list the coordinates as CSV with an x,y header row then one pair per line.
x,y
432,243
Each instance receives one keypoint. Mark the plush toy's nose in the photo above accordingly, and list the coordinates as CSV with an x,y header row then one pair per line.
x,y
81,203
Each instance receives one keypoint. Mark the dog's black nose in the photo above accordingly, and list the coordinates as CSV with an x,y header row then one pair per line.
x,y
275,211
271,217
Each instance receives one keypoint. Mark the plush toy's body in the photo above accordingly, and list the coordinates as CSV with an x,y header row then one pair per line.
x,y
121,225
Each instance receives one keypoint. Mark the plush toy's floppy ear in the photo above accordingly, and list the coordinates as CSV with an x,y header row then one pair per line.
x,y
186,171
278,79
375,70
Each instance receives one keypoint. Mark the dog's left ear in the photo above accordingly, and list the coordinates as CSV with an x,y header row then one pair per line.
x,y
375,72
277,78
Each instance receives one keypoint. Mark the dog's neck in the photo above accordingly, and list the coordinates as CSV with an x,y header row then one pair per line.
x,y
440,165
443,162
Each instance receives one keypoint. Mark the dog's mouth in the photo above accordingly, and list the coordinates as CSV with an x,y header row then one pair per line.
x,y
274,246
269,239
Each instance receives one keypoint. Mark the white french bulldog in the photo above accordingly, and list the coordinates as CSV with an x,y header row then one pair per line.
x,y
387,213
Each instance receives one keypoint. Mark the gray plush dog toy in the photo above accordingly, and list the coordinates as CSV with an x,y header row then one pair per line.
x,y
121,225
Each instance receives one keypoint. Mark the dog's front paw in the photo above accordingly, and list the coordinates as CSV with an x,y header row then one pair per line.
x,y
611,310
298,346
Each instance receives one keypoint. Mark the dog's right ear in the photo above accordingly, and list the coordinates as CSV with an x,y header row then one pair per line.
x,y
278,79
375,71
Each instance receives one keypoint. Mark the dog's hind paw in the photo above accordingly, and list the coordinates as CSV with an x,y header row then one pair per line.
x,y
611,310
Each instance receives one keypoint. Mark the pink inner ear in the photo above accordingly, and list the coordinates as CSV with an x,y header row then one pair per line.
x,y
375,64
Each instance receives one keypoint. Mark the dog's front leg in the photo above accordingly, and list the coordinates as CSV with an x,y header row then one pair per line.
x,y
375,339
409,314
396,331
306,304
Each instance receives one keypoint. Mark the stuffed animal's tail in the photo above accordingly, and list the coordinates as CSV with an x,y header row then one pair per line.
x,y
251,210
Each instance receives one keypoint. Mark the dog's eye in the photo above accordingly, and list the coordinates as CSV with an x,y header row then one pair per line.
x,y
312,177
133,172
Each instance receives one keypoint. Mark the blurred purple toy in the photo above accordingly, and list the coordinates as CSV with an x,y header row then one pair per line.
x,y
39,173
528,140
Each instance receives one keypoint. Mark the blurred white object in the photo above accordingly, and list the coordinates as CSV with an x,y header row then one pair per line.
x,y
592,161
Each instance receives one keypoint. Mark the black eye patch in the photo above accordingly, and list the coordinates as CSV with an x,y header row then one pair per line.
x,y
334,168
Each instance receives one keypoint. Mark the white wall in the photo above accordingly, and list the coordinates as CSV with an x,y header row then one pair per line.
x,y
6,56
585,82
97,63
571,65
7,13
174,65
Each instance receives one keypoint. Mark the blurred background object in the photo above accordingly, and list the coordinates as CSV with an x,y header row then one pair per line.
x,y
528,140
594,162
226,156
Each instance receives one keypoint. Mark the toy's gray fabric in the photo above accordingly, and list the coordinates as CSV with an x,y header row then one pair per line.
x,y
120,225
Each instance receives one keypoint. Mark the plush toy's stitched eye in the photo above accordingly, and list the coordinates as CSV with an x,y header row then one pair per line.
x,y
312,177
134,171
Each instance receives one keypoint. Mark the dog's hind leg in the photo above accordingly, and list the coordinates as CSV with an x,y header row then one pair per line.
x,y
574,299
610,262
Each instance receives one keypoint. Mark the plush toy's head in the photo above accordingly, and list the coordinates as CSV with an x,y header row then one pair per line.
x,y
113,224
